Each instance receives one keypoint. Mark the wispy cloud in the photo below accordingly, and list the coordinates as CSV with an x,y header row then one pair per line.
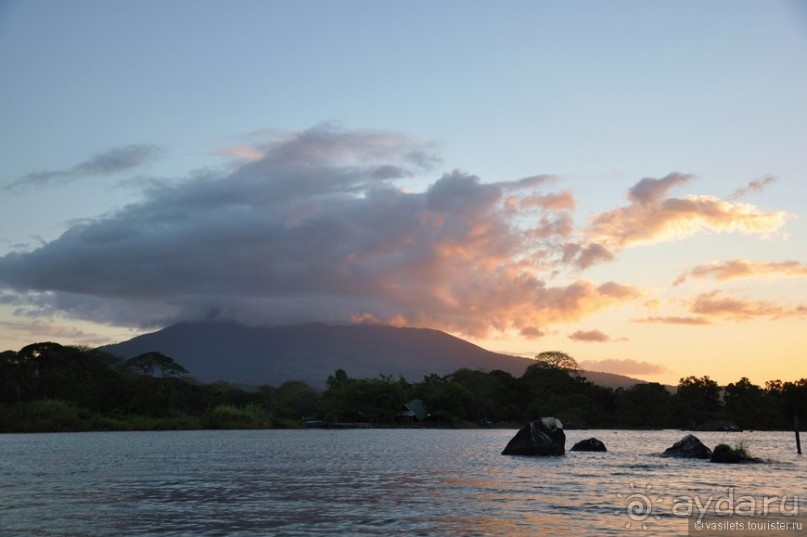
x,y
551,202
741,268
717,304
753,186
109,162
248,152
687,321
40,331
654,216
626,366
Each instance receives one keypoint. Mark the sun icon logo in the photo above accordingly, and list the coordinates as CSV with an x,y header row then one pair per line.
x,y
638,507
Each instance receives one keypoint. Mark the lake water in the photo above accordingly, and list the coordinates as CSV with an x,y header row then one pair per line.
x,y
369,482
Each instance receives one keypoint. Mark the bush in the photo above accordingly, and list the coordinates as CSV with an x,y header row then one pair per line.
x,y
232,417
45,415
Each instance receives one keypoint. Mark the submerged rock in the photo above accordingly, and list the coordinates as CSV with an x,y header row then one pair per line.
x,y
541,437
689,447
589,444
727,454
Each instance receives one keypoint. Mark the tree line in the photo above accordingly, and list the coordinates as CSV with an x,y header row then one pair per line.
x,y
50,387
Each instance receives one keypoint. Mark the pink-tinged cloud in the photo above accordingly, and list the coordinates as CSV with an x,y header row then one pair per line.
x,y
562,201
247,152
741,268
558,226
481,302
38,330
653,216
618,290
590,336
687,321
623,367
716,304
531,332
318,230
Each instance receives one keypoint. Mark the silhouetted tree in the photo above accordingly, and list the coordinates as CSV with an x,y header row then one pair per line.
x,y
747,404
696,401
557,360
150,364
338,379
644,405
17,379
47,386
295,400
794,395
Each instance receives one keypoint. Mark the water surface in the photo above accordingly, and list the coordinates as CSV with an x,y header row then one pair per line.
x,y
366,482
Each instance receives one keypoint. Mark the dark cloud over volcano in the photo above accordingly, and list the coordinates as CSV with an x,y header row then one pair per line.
x,y
319,228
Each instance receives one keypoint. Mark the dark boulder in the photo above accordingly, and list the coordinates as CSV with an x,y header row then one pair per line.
x,y
589,444
541,437
689,447
728,455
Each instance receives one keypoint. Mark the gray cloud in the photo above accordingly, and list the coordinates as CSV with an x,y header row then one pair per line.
x,y
112,161
752,186
532,332
595,336
317,229
585,256
651,190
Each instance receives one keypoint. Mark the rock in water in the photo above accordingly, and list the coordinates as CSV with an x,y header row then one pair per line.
x,y
541,437
727,454
689,447
589,444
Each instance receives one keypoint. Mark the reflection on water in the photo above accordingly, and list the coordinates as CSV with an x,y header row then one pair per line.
x,y
362,482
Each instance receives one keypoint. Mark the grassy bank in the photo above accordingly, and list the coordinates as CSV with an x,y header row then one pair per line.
x,y
50,415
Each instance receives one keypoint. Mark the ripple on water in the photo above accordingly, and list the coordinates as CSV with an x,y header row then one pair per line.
x,y
362,482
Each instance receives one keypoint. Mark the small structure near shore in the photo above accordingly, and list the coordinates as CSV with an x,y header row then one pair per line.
x,y
538,438
721,426
589,444
414,410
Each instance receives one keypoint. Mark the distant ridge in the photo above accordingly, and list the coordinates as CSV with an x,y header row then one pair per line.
x,y
226,351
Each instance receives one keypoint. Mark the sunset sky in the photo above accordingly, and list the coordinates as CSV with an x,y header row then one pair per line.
x,y
623,181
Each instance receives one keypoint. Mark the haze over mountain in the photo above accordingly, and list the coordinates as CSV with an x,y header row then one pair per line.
x,y
214,351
